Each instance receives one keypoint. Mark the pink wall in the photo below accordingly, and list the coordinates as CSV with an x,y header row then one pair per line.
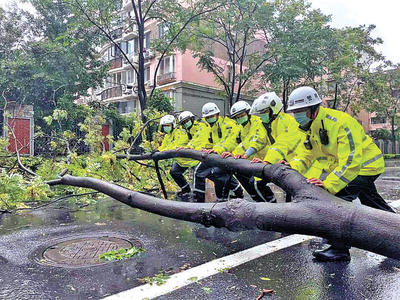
x,y
187,70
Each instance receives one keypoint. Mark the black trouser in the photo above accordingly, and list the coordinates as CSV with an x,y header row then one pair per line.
x,y
258,190
223,182
364,188
176,173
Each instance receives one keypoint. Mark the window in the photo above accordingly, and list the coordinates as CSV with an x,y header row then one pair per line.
x,y
111,53
162,30
124,47
167,65
378,120
122,107
116,79
172,95
108,82
331,86
146,42
147,74
130,77
126,107
132,46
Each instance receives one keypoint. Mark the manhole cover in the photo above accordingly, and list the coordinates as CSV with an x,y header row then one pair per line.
x,y
84,252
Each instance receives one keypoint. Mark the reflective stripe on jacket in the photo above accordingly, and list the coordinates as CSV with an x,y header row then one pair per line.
x,y
284,130
349,153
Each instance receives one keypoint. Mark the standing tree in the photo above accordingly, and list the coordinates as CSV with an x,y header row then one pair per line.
x,y
106,18
228,44
299,40
349,61
381,94
40,63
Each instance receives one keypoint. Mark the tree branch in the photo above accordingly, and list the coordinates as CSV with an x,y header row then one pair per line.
x,y
313,211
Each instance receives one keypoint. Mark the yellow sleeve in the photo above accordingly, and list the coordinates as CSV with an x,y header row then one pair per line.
x,y
166,142
287,140
258,138
285,144
181,138
200,140
228,142
349,152
302,160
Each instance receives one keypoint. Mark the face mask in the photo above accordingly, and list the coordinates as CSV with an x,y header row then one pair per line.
x,y
167,129
212,120
265,118
301,118
242,120
188,124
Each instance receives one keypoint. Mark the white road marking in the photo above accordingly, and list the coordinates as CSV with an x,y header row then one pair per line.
x,y
208,269
395,204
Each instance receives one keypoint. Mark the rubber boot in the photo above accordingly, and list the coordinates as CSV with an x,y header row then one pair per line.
x,y
332,254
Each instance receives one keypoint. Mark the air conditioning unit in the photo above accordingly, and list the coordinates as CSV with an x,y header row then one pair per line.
x,y
150,53
134,59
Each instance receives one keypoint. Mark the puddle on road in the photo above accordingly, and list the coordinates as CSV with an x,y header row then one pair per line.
x,y
107,212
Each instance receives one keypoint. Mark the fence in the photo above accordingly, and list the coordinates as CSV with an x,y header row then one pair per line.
x,y
386,146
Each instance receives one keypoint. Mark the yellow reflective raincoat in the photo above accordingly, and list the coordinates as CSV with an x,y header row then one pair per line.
x,y
198,137
176,138
223,135
285,139
252,135
348,153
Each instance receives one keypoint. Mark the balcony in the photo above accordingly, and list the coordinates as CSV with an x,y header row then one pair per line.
x,y
134,59
130,32
116,63
166,78
112,92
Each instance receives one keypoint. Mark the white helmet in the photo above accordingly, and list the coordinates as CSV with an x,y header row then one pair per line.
x,y
209,109
304,96
168,119
267,100
183,116
239,107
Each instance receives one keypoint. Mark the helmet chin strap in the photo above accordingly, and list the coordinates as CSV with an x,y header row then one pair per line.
x,y
272,116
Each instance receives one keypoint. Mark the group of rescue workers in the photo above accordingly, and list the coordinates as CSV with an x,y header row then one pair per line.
x,y
328,147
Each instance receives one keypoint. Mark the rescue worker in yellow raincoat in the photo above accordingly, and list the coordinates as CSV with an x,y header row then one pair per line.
x,y
174,137
266,139
223,138
197,138
252,138
354,161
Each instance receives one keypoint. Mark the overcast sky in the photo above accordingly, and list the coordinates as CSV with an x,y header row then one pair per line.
x,y
385,14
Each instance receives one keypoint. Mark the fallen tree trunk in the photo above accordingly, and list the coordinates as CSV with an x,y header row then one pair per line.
x,y
313,211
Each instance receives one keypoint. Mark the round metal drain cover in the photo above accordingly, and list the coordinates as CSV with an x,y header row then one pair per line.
x,y
84,252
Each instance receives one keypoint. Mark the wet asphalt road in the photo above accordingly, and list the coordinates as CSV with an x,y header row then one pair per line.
x,y
172,244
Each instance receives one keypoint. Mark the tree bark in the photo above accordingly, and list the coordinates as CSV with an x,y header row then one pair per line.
x,y
313,211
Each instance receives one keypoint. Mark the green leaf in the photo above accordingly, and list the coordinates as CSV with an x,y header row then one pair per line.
x,y
265,278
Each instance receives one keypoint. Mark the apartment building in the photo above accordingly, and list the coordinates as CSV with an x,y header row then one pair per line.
x,y
178,76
